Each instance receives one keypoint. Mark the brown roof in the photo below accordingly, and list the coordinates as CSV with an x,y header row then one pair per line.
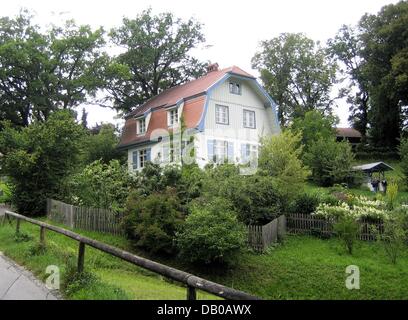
x,y
171,96
192,92
348,133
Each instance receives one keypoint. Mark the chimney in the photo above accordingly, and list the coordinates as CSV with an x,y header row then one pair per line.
x,y
212,67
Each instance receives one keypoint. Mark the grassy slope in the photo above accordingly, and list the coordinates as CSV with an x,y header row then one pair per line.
x,y
114,273
302,268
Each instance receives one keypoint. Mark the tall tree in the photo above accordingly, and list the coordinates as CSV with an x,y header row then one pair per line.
x,y
347,47
156,56
385,41
41,72
298,74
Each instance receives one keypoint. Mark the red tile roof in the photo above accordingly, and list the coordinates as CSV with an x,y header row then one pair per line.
x,y
348,133
194,99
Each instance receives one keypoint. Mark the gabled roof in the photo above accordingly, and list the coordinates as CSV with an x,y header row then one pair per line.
x,y
374,167
193,88
348,133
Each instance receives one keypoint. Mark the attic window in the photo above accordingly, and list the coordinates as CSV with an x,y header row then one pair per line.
x,y
235,88
141,126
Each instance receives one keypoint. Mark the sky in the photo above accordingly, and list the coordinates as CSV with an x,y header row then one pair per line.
x,y
233,29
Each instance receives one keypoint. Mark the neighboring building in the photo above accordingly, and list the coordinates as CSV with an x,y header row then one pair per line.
x,y
349,134
225,111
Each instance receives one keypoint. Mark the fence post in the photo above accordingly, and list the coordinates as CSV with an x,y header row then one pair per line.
x,y
191,293
42,236
18,226
48,208
81,257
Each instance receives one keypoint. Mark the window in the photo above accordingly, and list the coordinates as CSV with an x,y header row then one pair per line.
x,y
141,126
140,157
248,152
172,152
220,151
221,114
235,88
249,119
173,118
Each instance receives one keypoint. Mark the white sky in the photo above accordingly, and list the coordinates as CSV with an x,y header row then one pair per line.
x,y
233,28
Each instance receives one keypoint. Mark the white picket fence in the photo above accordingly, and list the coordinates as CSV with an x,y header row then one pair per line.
x,y
91,219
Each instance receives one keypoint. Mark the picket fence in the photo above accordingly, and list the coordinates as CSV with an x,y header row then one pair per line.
x,y
308,224
260,237
91,219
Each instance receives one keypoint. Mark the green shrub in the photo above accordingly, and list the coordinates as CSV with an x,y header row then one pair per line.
x,y
5,192
391,195
306,203
151,221
211,234
347,229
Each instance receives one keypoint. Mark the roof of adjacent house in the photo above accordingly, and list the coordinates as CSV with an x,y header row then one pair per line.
x,y
374,167
193,95
348,133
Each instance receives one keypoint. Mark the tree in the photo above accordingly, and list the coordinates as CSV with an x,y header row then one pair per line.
x,y
38,158
156,57
45,71
385,47
279,159
347,47
298,74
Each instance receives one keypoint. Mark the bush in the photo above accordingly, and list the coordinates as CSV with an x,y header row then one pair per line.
x,y
5,192
330,162
211,233
100,185
306,203
347,229
151,221
403,152
391,195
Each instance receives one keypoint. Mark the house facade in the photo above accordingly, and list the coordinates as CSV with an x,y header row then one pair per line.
x,y
217,118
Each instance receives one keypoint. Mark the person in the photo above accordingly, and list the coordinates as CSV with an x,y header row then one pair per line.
x,y
384,183
375,184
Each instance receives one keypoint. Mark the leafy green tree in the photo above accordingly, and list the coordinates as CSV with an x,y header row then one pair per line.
x,y
385,47
403,153
280,159
211,234
314,126
43,71
330,162
156,57
297,73
347,229
347,47
102,145
38,158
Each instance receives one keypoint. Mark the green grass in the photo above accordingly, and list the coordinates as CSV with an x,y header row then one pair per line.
x,y
301,268
114,278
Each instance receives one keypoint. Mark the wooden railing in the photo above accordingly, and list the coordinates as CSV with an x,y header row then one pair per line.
x,y
193,282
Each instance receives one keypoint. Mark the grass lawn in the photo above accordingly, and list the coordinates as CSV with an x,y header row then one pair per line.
x,y
116,279
302,268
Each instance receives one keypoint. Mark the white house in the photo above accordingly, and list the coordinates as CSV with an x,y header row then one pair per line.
x,y
218,117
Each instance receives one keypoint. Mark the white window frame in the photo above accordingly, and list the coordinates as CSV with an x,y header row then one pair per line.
x,y
173,117
235,88
247,119
221,151
222,117
141,129
142,158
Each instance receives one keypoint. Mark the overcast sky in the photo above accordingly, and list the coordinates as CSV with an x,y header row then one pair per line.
x,y
232,28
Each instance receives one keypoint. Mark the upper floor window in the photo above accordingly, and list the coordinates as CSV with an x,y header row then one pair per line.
x,y
173,117
221,114
249,119
141,126
235,88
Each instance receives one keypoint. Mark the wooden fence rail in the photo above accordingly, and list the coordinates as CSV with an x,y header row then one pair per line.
x,y
191,281
308,224
91,219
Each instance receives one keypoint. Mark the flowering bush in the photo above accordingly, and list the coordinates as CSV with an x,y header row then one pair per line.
x,y
357,208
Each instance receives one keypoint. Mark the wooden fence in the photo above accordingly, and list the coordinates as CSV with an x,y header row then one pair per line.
x,y
309,224
91,219
260,237
191,281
